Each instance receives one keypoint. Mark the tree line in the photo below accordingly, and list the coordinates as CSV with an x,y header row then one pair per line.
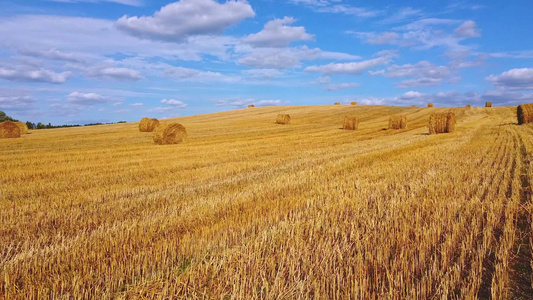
x,y
39,125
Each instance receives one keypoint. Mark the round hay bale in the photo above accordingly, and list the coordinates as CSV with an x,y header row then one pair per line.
x,y
9,130
350,123
172,133
283,119
430,104
413,106
441,123
397,122
488,104
148,125
23,127
353,103
524,113
251,105
337,103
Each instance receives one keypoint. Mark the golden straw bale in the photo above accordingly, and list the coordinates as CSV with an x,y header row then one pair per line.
x,y
524,112
9,130
353,103
148,125
397,122
283,119
430,104
413,106
337,103
441,123
468,106
251,105
172,133
488,104
23,127
350,123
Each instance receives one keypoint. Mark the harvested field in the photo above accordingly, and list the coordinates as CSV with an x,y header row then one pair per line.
x,y
250,209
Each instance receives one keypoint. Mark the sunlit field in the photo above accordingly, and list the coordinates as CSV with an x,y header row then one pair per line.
x,y
250,209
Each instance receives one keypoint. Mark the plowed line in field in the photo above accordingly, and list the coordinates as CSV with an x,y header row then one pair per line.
x,y
521,273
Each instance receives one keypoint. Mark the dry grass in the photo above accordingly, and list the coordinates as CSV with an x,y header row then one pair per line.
x,y
148,125
442,123
9,130
353,103
350,123
250,210
283,119
167,134
430,104
398,122
524,113
488,104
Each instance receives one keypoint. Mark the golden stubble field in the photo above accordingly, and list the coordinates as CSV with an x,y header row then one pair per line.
x,y
248,209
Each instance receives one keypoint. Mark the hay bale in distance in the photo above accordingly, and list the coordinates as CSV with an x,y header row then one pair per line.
x,y
430,104
398,122
350,123
172,133
353,103
251,105
468,106
488,104
337,103
9,130
283,119
524,113
413,106
23,127
148,125
441,123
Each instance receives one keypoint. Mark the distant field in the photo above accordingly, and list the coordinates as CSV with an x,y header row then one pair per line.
x,y
251,209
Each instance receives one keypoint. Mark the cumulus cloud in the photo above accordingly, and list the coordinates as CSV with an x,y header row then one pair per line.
x,y
516,79
138,104
35,75
188,74
467,30
351,67
175,103
383,38
180,19
278,33
80,98
341,86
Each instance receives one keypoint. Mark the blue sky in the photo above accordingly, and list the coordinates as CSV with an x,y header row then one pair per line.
x,y
83,61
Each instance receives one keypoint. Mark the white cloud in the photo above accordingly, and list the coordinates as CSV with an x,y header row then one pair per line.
x,y
411,95
351,67
53,54
276,58
467,30
187,74
517,79
114,73
424,72
35,75
138,104
384,38
239,103
263,73
173,102
335,6
16,103
402,15
86,98
183,18
278,33
341,86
